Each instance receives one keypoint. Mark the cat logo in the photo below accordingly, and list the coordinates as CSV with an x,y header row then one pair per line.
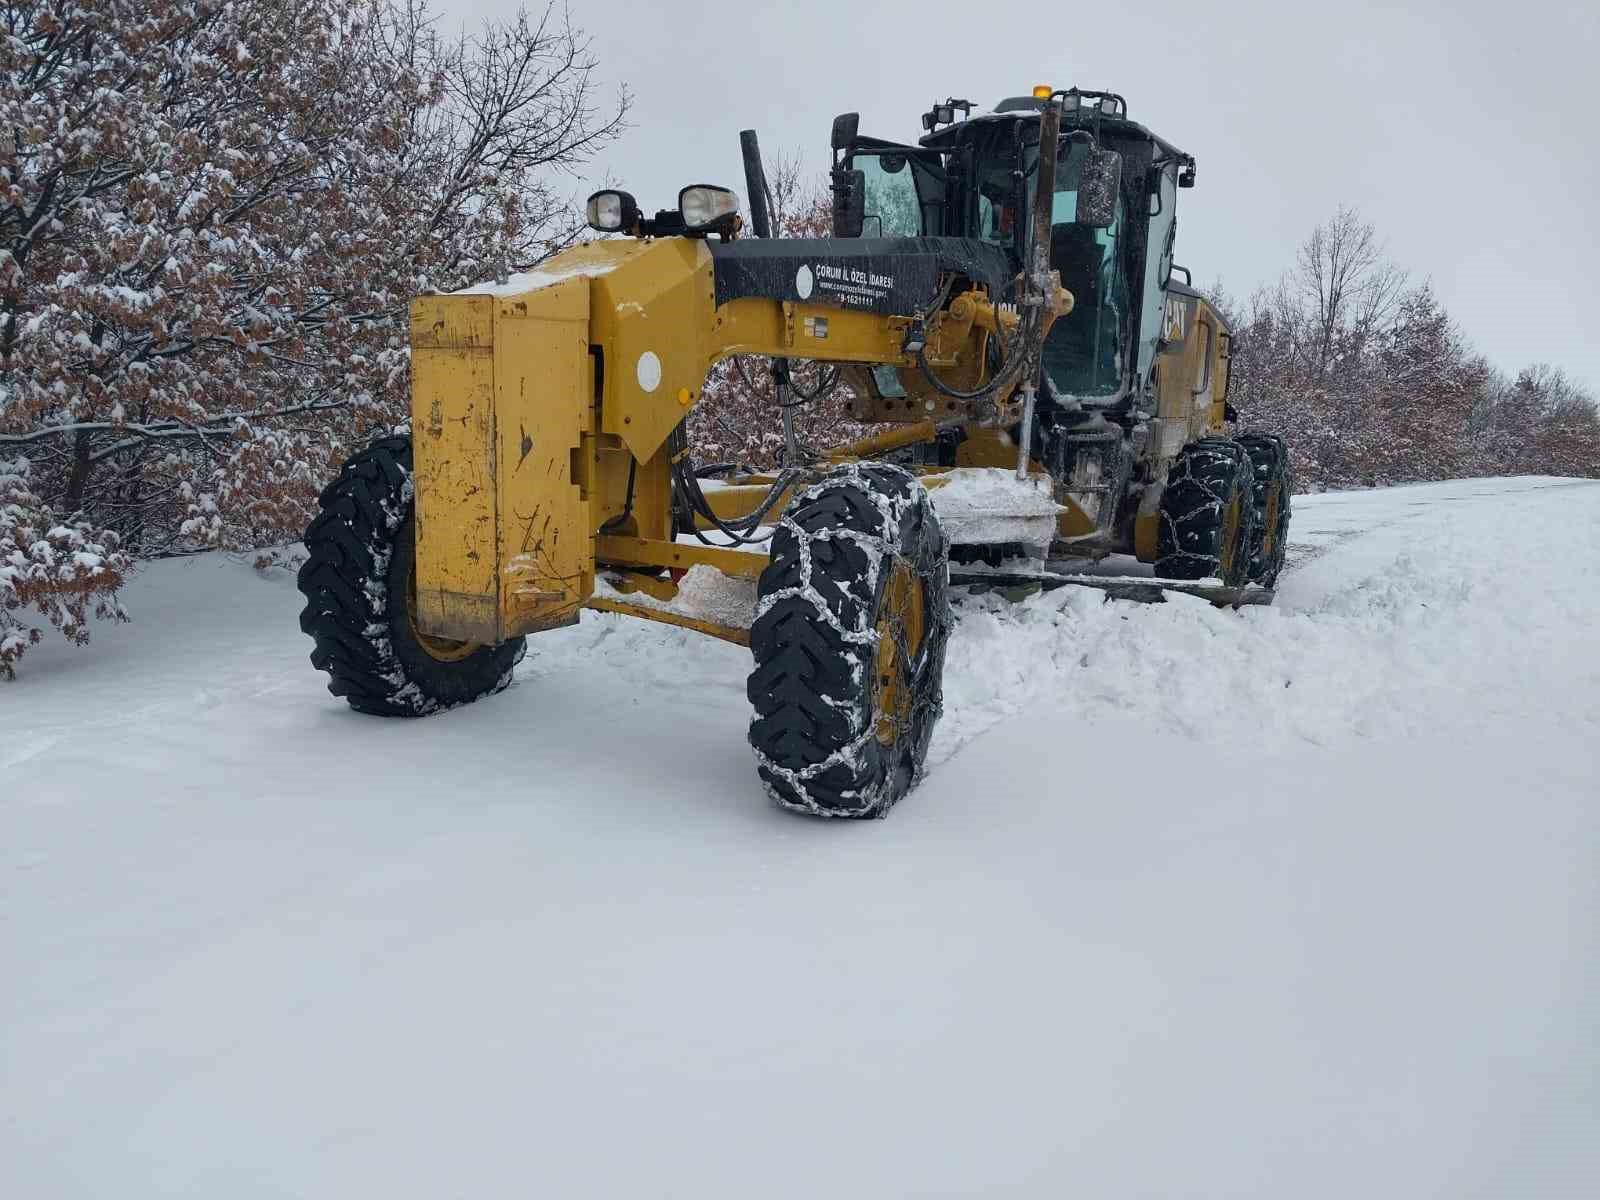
x,y
1172,325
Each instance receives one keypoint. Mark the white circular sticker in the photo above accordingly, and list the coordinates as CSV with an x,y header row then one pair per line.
x,y
803,282
649,371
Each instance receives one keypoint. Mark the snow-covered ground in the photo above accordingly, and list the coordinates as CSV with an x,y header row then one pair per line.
x,y
1290,902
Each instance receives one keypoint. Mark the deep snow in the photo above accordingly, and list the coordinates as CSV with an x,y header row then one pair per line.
x,y
1289,902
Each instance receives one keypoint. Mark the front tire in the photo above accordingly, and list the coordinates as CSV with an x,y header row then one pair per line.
x,y
852,620
359,581
1207,514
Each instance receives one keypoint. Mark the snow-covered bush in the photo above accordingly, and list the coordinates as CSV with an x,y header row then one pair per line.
x,y
56,568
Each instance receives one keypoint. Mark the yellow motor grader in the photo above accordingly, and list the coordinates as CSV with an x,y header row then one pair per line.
x,y
998,298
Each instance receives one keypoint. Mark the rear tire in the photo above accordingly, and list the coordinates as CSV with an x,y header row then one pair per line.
x,y
852,619
358,581
1272,488
1207,514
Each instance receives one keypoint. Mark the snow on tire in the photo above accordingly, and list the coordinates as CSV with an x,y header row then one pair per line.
x,y
358,581
852,619
1207,514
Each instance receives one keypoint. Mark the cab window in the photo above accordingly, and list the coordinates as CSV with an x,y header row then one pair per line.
x,y
904,195
1157,265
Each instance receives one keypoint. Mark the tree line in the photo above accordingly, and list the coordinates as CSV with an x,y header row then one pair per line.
x,y
1364,372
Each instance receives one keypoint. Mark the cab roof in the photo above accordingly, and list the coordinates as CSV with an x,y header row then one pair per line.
x,y
1026,108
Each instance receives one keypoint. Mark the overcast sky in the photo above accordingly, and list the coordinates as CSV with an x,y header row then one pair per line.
x,y
1467,132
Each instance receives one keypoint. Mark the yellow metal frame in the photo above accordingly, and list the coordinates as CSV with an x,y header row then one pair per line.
x,y
541,416
678,556
736,634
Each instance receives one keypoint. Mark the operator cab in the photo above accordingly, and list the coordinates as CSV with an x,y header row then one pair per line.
x,y
1112,219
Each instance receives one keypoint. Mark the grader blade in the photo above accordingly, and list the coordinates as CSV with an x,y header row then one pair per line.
x,y
1144,589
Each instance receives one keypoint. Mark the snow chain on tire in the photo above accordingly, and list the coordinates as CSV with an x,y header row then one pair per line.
x,y
843,717
357,581
1273,484
1207,514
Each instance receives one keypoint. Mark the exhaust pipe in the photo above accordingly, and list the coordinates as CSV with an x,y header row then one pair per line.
x,y
755,182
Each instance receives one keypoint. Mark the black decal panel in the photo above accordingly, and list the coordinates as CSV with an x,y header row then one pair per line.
x,y
886,275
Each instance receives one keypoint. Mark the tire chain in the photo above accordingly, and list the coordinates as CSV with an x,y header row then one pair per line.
x,y
815,642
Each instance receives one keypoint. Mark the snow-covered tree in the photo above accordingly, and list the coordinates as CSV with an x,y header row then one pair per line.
x,y
1368,378
212,216
1347,287
1544,423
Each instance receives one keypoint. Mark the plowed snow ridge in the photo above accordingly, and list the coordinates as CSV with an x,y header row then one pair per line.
x,y
1288,902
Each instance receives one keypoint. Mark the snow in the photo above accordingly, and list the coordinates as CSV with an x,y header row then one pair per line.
x,y
1286,902
527,281
704,593
990,504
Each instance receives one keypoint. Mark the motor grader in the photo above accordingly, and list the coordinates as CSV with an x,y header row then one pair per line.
x,y
999,300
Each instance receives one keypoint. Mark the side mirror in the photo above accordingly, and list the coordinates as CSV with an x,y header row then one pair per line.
x,y
1098,188
844,130
849,202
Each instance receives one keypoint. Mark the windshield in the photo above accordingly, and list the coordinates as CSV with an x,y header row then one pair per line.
x,y
1084,354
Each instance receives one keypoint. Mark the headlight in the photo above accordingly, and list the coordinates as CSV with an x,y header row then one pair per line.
x,y
611,211
704,205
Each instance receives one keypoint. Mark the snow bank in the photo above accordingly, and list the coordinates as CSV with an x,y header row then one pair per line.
x,y
1399,613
